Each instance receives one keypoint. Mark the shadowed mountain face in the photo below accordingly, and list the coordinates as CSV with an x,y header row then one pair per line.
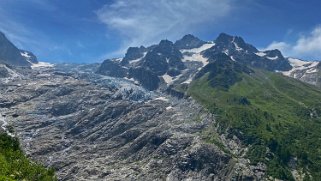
x,y
10,54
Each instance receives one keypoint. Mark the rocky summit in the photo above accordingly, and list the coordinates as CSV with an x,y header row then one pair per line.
x,y
189,110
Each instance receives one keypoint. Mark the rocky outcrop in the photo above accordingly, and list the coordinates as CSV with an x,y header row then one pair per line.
x,y
112,68
145,77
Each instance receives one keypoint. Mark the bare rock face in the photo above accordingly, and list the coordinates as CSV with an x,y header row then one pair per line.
x,y
10,54
91,127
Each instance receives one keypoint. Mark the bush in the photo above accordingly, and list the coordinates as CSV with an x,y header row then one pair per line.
x,y
14,165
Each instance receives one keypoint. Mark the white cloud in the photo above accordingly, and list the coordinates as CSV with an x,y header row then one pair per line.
x,y
143,22
311,44
307,46
282,46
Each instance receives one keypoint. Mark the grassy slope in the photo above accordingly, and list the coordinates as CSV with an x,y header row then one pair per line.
x,y
15,166
271,111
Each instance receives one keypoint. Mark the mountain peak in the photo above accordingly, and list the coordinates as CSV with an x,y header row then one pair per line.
x,y
224,36
234,42
165,43
189,41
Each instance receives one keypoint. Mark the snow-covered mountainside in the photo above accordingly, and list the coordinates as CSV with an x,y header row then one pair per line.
x,y
306,71
167,64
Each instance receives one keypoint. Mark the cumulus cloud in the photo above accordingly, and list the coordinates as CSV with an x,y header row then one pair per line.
x,y
143,22
278,45
307,46
310,44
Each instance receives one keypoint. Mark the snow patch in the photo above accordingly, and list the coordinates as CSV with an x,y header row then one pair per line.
x,y
118,60
167,78
195,53
226,52
236,45
137,60
169,108
200,49
25,54
313,70
300,65
162,99
41,65
297,62
273,58
260,54
196,57
188,81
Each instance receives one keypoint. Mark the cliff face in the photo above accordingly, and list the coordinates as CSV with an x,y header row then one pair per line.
x,y
10,54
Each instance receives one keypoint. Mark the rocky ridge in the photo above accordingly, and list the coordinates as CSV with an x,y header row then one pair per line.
x,y
170,63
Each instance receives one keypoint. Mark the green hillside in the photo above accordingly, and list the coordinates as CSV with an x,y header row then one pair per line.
x,y
267,111
15,166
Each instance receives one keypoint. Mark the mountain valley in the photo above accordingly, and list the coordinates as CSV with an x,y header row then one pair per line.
x,y
184,110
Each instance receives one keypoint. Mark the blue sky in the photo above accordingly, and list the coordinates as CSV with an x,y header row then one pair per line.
x,y
89,31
